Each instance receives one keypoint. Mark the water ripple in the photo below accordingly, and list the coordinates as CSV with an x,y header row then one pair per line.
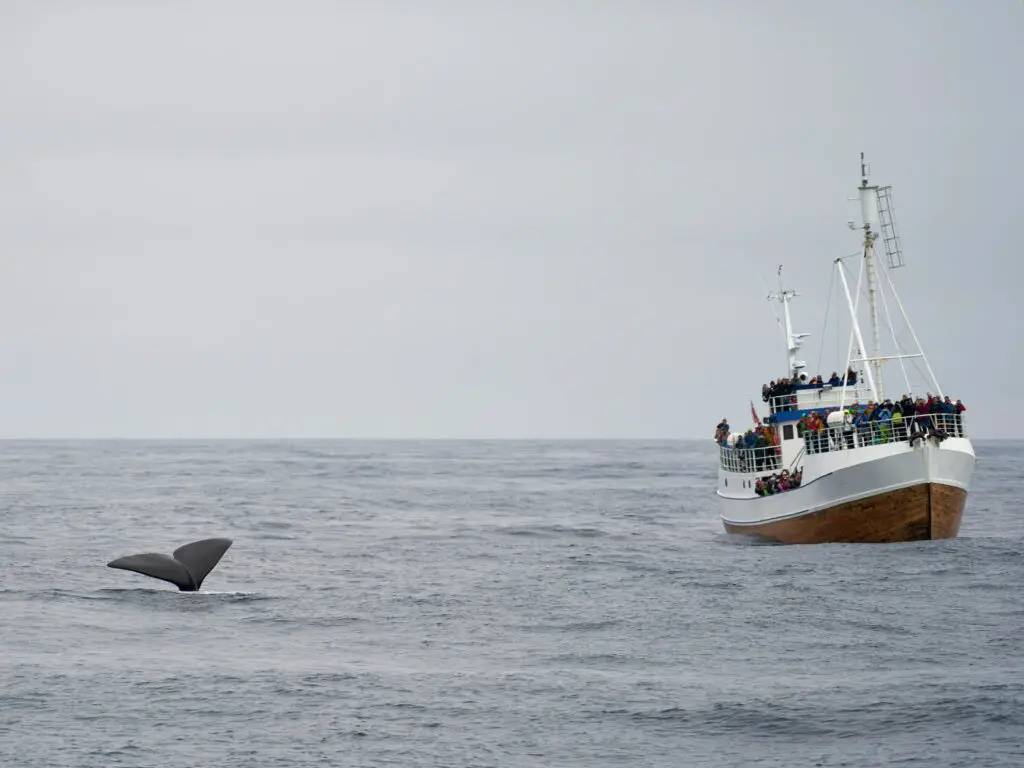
x,y
446,603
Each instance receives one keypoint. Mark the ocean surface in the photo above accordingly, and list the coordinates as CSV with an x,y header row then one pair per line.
x,y
487,604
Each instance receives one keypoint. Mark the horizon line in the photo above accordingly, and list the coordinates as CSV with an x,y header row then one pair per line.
x,y
265,438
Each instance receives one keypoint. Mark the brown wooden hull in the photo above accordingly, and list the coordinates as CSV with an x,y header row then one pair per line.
x,y
925,511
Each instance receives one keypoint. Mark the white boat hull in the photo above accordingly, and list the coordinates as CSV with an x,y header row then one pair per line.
x,y
889,492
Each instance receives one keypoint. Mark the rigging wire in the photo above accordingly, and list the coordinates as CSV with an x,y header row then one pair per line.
x,y
824,325
900,347
895,341
930,376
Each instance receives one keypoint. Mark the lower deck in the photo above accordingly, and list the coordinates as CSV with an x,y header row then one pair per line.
x,y
816,453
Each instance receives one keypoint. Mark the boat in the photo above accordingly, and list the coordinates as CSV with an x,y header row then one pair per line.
x,y
837,460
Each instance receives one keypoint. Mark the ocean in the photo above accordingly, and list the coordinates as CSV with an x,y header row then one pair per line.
x,y
476,603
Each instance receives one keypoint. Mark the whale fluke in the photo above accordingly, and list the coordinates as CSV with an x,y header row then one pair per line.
x,y
186,569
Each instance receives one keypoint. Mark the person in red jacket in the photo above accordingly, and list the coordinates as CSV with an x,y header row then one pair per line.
x,y
959,408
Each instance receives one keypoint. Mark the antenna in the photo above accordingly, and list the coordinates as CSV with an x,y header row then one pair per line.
x,y
793,340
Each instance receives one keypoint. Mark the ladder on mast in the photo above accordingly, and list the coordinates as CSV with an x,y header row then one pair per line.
x,y
890,237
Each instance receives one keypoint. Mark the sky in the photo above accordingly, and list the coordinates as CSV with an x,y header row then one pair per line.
x,y
482,219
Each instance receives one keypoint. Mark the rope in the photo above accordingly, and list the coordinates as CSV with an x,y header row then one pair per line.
x,y
886,321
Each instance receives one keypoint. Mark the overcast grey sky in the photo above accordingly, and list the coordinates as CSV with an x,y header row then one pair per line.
x,y
483,219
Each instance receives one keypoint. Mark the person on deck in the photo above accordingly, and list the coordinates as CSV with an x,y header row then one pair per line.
x,y
884,424
899,430
923,414
958,419
862,422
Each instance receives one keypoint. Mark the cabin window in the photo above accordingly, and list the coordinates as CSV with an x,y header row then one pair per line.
x,y
787,432
727,482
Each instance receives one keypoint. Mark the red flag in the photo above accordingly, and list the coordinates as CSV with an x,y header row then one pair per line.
x,y
753,412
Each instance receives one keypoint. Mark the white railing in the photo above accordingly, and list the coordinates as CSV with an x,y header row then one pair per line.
x,y
739,458
880,432
780,403
825,396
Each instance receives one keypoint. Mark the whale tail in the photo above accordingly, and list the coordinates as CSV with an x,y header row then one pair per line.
x,y
186,569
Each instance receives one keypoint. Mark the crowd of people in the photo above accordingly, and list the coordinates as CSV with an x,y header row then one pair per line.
x,y
761,436
884,422
892,420
756,450
778,483
781,394
906,418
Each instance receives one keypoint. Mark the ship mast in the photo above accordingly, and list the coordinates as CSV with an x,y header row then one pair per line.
x,y
869,221
793,340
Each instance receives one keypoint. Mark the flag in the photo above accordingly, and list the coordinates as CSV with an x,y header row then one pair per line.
x,y
753,412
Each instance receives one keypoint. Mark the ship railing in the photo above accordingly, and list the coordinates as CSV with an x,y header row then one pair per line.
x,y
851,436
781,403
739,458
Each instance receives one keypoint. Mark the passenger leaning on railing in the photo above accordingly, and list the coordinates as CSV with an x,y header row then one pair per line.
x,y
779,395
903,419
958,421
883,416
778,483
813,425
899,430
758,449
755,450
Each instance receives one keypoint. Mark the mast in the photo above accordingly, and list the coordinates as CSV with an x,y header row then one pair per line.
x,y
793,340
869,221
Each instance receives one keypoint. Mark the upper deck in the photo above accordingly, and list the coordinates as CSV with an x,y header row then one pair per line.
x,y
812,397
